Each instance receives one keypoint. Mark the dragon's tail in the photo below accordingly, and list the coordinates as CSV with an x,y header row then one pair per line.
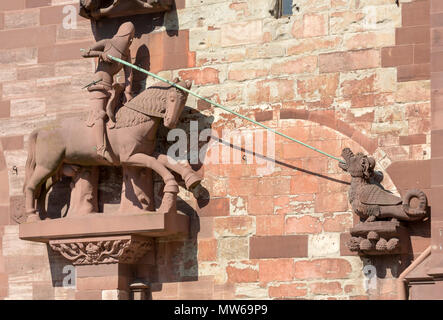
x,y
420,210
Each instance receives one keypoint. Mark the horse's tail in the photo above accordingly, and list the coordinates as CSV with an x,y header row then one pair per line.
x,y
30,162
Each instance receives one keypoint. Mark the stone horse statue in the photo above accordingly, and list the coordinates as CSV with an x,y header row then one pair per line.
x,y
131,143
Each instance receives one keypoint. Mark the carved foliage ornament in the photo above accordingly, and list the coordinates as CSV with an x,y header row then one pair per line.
x,y
105,250
379,237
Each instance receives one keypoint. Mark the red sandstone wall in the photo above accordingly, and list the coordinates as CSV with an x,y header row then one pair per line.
x,y
335,74
437,86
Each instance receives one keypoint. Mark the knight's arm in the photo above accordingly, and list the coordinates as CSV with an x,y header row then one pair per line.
x,y
96,50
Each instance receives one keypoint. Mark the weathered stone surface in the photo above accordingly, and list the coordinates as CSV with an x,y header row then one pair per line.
x,y
250,291
234,248
324,245
293,290
330,75
322,269
21,19
241,33
114,295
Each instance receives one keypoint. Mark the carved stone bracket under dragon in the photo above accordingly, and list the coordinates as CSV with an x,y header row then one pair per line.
x,y
118,249
379,237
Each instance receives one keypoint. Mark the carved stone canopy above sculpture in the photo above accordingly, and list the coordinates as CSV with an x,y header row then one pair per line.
x,y
97,9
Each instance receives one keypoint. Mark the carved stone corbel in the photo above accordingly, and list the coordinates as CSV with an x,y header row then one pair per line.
x,y
378,238
117,249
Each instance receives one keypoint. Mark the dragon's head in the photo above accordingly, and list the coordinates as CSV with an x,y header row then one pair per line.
x,y
357,165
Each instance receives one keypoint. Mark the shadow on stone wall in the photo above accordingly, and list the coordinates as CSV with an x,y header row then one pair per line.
x,y
176,257
62,271
279,162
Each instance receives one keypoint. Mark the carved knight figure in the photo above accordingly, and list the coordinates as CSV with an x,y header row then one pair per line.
x,y
105,94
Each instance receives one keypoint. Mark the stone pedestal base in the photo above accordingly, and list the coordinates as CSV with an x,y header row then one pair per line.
x,y
103,281
104,249
97,225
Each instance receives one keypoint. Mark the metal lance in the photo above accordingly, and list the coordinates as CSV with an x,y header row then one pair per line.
x,y
92,83
221,107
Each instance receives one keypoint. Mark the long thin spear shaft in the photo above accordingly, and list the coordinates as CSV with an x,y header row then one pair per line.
x,y
220,106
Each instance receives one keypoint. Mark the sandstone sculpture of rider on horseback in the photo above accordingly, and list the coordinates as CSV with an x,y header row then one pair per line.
x,y
128,140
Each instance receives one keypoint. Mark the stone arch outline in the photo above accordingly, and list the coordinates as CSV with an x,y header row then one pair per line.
x,y
328,118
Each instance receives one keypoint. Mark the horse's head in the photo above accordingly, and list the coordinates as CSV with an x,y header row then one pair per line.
x,y
175,103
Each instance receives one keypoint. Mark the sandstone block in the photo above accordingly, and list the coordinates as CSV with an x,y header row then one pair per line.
x,y
349,60
325,288
329,268
201,77
207,250
241,33
276,270
304,224
324,244
297,66
290,290
241,272
235,248
234,226
312,25
21,19
270,225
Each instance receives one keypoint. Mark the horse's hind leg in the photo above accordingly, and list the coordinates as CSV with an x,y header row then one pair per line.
x,y
171,186
39,176
41,198
188,175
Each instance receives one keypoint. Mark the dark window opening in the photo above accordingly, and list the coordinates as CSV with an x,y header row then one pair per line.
x,y
281,8
286,7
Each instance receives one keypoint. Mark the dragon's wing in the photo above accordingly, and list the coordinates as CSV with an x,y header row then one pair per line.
x,y
374,195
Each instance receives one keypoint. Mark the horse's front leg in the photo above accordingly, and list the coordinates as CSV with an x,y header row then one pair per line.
x,y
171,187
183,168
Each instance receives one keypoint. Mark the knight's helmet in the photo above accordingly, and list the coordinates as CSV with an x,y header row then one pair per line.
x,y
126,29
